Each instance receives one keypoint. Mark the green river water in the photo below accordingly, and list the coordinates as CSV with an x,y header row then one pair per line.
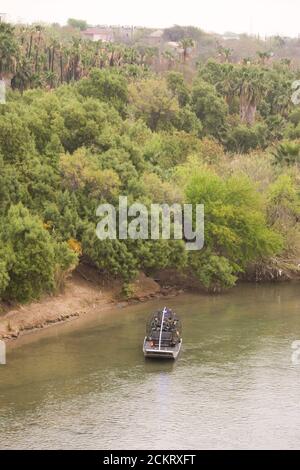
x,y
86,385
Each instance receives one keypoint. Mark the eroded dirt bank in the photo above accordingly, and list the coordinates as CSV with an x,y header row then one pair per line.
x,y
84,293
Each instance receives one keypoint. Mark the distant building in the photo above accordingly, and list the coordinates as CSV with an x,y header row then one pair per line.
x,y
2,17
172,45
230,37
124,33
155,38
98,34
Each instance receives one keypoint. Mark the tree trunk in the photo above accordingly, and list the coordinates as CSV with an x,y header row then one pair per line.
x,y
52,61
61,68
247,110
30,46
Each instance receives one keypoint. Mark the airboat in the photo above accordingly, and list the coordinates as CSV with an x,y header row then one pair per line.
x,y
163,335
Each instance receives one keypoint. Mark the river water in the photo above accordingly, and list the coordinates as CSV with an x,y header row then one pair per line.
x,y
234,385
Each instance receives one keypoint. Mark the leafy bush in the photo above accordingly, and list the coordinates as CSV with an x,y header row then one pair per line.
x,y
106,86
287,153
243,138
32,256
154,103
210,108
235,225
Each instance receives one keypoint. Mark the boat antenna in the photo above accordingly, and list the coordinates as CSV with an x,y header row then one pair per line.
x,y
161,327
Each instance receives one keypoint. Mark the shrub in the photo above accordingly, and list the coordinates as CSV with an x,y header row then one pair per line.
x,y
32,256
235,226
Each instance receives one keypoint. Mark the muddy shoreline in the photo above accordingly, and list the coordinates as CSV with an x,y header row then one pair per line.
x,y
87,293
84,294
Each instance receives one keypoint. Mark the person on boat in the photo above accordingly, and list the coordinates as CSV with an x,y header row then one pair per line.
x,y
168,313
155,323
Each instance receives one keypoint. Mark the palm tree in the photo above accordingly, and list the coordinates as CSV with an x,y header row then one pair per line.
x,y
119,55
37,46
280,42
288,152
55,45
247,61
186,44
170,58
287,62
9,50
23,77
142,54
31,31
61,52
150,53
75,59
131,56
225,53
50,78
104,58
250,88
264,57
111,50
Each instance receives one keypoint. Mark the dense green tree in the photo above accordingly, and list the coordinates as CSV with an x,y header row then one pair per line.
x,y
165,150
16,142
75,23
8,49
209,107
106,86
176,33
243,138
178,86
152,101
284,216
235,226
30,259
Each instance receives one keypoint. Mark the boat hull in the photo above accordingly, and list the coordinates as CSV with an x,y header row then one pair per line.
x,y
153,352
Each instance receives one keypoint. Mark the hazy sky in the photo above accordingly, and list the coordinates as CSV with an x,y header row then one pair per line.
x,y
251,16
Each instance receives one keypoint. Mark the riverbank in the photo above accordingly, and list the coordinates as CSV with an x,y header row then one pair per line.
x,y
84,293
